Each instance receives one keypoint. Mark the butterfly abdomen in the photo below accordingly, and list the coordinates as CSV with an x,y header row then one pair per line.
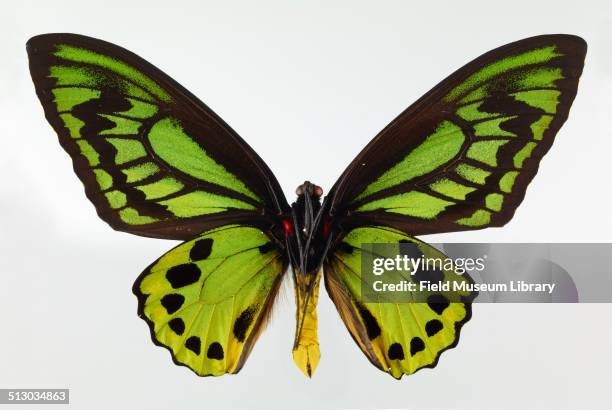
x,y
306,353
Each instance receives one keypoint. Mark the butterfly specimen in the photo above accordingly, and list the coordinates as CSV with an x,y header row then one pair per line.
x,y
157,162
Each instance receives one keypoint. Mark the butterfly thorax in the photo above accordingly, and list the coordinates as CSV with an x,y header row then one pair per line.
x,y
305,241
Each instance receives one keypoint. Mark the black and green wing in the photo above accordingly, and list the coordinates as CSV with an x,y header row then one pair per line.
x,y
155,160
398,338
462,156
208,299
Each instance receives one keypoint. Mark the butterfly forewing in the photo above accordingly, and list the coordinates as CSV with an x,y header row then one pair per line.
x,y
462,156
154,160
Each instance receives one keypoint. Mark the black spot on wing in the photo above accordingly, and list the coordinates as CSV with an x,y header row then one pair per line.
x,y
424,272
410,249
416,345
396,352
438,303
243,322
215,351
433,327
267,247
371,325
201,249
177,325
193,343
183,275
172,302
432,275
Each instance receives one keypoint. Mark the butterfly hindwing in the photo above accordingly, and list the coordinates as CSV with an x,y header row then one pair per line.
x,y
397,337
462,156
207,299
154,159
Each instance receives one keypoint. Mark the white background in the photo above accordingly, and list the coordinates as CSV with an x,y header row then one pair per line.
x,y
307,84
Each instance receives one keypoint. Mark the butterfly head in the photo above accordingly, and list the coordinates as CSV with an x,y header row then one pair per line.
x,y
310,189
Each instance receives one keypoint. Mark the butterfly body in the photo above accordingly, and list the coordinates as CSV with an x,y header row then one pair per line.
x,y
307,243
156,161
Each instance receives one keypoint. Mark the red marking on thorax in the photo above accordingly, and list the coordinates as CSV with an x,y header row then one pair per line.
x,y
287,226
326,229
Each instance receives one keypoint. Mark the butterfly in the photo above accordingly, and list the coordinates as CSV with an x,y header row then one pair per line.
x,y
157,162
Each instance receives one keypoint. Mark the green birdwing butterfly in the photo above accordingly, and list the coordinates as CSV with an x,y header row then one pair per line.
x,y
157,162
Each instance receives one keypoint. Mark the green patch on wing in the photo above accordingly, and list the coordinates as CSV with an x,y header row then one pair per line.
x,y
493,127
122,126
494,201
89,78
523,154
413,203
546,100
127,149
139,172
73,124
131,216
479,218
89,57
66,98
485,151
451,188
438,149
161,188
531,57
507,181
172,144
202,203
89,153
472,173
